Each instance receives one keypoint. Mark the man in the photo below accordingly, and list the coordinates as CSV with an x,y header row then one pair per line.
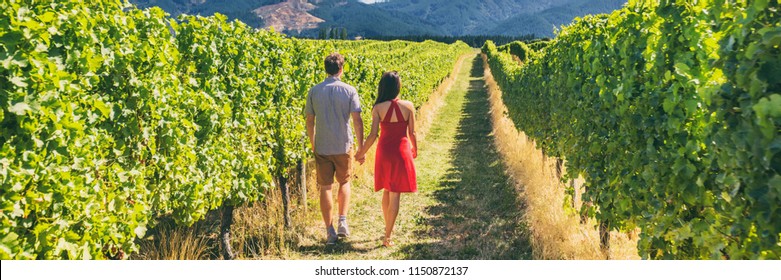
x,y
329,107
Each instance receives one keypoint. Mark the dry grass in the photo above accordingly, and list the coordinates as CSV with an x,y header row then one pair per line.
x,y
259,229
174,243
556,232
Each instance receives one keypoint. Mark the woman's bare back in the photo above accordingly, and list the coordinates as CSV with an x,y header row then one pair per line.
x,y
406,109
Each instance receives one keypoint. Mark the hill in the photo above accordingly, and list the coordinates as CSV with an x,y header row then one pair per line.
x,y
370,20
543,23
304,18
396,17
469,17
234,9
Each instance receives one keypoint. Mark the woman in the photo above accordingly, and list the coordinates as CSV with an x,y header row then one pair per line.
x,y
394,170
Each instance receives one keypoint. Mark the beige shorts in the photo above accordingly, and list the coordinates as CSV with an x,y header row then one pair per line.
x,y
333,165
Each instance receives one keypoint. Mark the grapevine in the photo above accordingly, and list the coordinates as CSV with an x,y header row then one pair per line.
x,y
671,111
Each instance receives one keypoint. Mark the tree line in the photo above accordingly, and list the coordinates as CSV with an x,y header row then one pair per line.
x,y
332,33
474,41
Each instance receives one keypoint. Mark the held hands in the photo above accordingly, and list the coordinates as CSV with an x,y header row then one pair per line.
x,y
360,156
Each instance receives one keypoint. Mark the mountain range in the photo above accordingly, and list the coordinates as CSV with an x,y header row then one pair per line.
x,y
397,17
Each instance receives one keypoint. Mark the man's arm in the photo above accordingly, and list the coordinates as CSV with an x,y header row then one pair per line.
x,y
355,113
310,130
358,126
309,110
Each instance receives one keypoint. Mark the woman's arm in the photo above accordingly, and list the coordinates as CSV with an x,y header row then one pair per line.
x,y
411,131
373,134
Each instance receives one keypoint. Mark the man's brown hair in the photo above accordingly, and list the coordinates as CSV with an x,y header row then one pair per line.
x,y
333,63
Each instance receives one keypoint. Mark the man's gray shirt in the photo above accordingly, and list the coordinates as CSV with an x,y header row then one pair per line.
x,y
331,102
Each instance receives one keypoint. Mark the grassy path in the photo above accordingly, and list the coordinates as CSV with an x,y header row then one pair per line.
x,y
466,207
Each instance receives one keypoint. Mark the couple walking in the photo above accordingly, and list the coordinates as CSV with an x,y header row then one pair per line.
x,y
329,107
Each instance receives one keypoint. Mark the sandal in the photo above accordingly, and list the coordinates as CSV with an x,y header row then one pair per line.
x,y
387,243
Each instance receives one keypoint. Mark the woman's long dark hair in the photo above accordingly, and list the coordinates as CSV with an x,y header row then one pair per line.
x,y
389,88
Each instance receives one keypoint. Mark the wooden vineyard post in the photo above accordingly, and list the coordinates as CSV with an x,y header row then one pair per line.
x,y
283,186
301,168
578,194
604,236
225,232
574,192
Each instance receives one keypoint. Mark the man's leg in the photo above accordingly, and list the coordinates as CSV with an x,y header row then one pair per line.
x,y
343,164
343,198
344,204
326,204
325,175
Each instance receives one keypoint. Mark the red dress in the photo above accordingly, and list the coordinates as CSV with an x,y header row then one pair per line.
x,y
394,169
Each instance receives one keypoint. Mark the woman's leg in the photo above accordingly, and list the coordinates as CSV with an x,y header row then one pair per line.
x,y
393,212
385,201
